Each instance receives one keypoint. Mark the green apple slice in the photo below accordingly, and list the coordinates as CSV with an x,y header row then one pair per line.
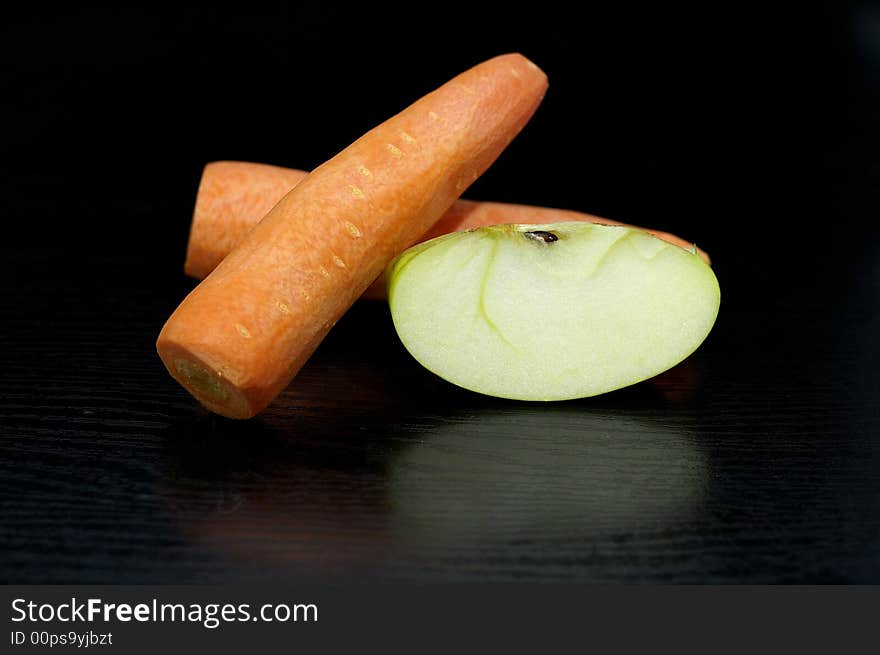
x,y
550,312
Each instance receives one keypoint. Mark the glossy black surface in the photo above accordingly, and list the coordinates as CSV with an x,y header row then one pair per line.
x,y
756,460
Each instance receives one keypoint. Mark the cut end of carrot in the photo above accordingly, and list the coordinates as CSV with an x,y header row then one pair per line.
x,y
206,384
199,377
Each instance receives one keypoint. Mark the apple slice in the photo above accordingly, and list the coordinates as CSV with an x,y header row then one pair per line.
x,y
550,312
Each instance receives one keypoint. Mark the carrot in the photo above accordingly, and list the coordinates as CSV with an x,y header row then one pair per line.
x,y
244,332
233,196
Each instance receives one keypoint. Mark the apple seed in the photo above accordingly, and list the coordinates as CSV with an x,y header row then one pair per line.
x,y
541,235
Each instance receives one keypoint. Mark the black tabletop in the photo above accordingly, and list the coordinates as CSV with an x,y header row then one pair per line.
x,y
756,460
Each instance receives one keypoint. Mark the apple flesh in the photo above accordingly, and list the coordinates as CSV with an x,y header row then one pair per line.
x,y
550,312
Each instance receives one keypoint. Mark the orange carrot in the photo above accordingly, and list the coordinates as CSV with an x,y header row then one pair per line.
x,y
242,334
233,196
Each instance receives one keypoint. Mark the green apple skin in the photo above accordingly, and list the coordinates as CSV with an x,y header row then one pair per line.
x,y
550,312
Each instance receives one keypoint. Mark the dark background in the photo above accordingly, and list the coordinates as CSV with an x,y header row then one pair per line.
x,y
750,131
